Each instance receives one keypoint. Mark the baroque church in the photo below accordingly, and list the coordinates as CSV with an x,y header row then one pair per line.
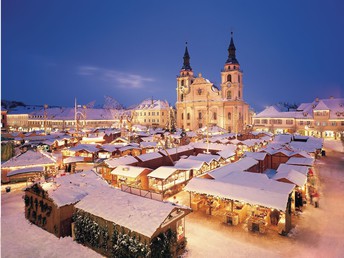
x,y
201,103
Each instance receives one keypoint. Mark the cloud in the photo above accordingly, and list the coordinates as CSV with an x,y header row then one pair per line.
x,y
118,78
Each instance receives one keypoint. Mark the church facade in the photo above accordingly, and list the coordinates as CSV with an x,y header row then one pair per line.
x,y
201,103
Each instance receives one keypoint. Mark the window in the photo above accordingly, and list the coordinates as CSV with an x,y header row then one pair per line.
x,y
182,82
148,113
199,125
188,116
157,113
257,121
324,123
229,94
199,115
153,113
289,122
239,94
182,116
214,115
182,97
301,123
333,123
229,78
239,78
229,116
264,121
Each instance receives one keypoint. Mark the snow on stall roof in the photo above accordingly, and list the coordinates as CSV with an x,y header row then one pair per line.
x,y
211,146
300,161
91,148
72,188
293,176
187,164
149,156
125,160
179,149
110,147
141,215
305,146
283,138
148,144
208,157
246,163
228,152
285,168
255,155
30,158
271,194
128,171
73,160
25,170
245,178
162,172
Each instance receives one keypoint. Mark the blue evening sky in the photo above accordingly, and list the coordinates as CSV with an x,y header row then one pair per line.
x,y
54,51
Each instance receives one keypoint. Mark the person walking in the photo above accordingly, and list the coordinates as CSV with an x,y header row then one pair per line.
x,y
316,199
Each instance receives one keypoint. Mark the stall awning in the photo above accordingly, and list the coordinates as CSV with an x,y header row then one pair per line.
x,y
73,160
267,196
26,171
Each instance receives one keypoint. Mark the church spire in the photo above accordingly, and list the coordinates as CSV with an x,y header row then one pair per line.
x,y
186,64
231,52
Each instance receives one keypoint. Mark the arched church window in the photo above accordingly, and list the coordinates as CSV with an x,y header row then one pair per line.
x,y
229,78
188,116
214,115
182,97
182,82
229,116
182,116
239,78
239,94
199,115
229,94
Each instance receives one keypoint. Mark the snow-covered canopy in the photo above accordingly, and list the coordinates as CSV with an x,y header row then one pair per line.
x,y
125,160
300,161
26,171
73,160
292,176
187,164
270,193
208,158
128,171
149,156
142,215
255,155
30,158
286,168
163,172
70,189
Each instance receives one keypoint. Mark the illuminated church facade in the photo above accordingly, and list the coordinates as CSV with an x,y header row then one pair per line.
x,y
201,103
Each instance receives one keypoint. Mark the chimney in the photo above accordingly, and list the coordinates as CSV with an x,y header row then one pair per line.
x,y
317,99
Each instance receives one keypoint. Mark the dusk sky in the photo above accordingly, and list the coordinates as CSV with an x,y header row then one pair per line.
x,y
54,51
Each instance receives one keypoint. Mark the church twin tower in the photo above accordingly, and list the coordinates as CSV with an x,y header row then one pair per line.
x,y
201,103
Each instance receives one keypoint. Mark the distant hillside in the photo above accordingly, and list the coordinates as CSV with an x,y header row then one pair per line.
x,y
9,104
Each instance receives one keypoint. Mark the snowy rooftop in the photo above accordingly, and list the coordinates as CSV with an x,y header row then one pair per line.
x,y
271,193
162,172
125,160
285,168
73,160
128,171
70,189
300,161
187,164
141,215
25,170
91,148
255,155
149,156
30,158
293,176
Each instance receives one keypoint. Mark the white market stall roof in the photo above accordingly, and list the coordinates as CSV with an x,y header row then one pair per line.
x,y
163,172
72,188
205,157
91,148
30,158
293,176
125,160
187,164
128,171
94,139
255,155
73,160
285,168
180,149
211,146
227,153
25,171
300,161
272,194
109,147
141,215
149,156
148,144
241,165
309,147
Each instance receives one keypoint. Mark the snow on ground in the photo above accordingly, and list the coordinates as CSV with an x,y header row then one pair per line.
x,y
318,232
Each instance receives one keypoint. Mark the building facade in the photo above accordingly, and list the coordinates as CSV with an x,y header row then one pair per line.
x,y
201,103
321,118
